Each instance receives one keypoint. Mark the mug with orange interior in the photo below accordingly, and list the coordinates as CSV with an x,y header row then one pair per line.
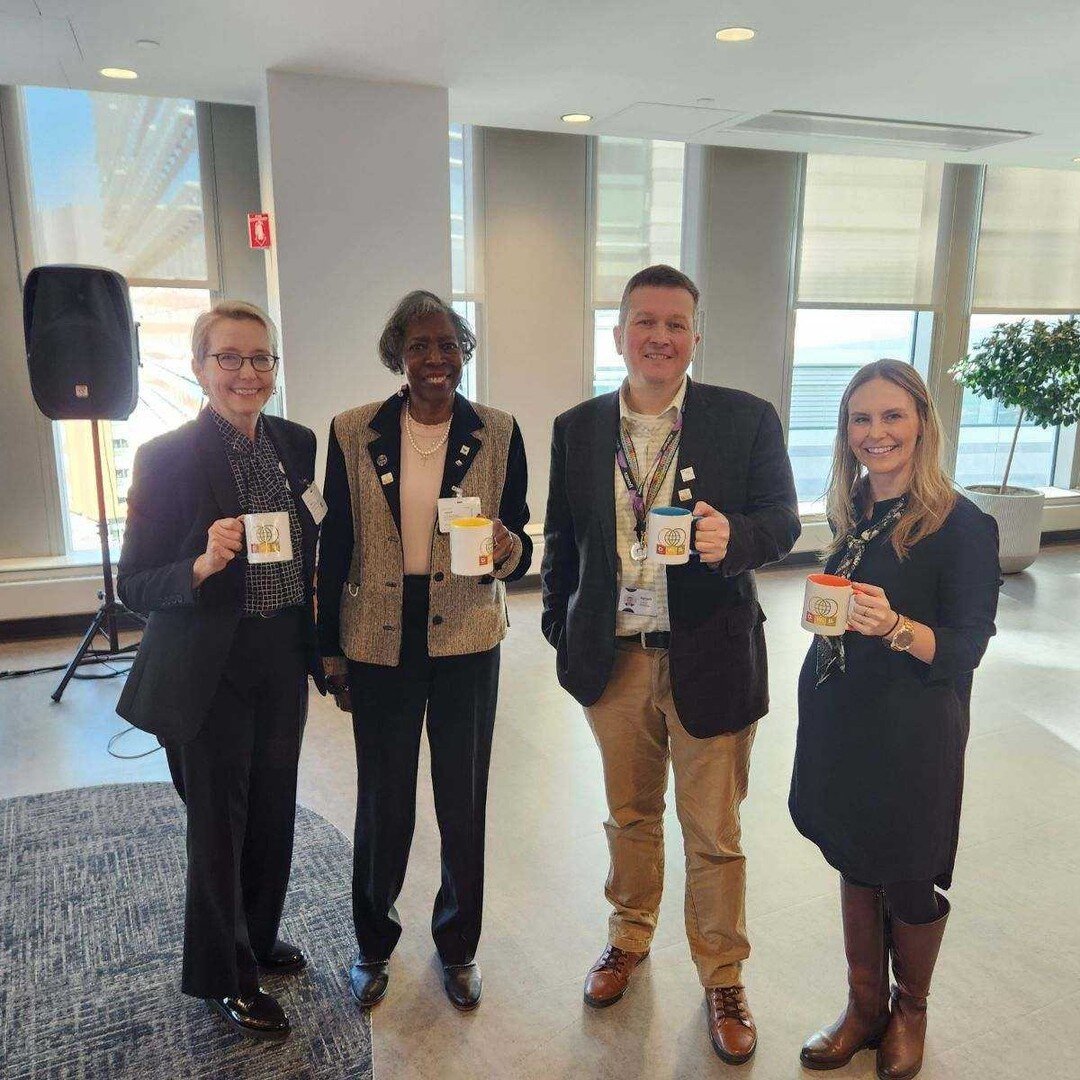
x,y
827,604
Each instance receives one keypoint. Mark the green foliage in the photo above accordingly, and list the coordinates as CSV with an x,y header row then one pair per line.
x,y
1032,366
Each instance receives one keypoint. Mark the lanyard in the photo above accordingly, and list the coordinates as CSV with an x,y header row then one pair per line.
x,y
643,491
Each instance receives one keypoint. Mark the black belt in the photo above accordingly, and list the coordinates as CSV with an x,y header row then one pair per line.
x,y
656,639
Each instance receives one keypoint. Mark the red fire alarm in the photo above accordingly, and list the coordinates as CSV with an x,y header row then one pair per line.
x,y
259,230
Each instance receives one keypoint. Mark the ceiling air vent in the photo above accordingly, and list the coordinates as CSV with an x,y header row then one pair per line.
x,y
868,129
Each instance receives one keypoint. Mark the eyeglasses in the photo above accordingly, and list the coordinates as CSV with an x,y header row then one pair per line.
x,y
234,361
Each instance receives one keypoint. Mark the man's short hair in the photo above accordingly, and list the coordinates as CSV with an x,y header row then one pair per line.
x,y
662,276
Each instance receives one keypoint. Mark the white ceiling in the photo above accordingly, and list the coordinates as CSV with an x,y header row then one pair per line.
x,y
522,63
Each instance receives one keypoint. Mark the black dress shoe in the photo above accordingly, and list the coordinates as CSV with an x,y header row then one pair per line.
x,y
464,984
257,1015
368,982
283,957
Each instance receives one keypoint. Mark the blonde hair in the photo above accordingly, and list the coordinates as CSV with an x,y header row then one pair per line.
x,y
931,495
228,309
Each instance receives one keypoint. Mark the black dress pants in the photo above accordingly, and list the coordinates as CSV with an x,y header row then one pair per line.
x,y
238,780
459,695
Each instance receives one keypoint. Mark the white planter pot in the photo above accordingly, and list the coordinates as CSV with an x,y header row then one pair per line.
x,y
1018,513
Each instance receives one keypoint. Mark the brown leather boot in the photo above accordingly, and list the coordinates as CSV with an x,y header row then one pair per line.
x,y
610,975
864,1020
731,1027
914,953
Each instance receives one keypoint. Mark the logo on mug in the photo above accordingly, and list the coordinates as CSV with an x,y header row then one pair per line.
x,y
487,549
266,541
822,612
671,542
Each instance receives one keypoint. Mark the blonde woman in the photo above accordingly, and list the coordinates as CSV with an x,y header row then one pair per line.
x,y
884,709
221,677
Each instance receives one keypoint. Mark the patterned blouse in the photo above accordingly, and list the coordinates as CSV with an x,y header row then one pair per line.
x,y
262,488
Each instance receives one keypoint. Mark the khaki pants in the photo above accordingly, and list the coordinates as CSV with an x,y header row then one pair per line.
x,y
637,731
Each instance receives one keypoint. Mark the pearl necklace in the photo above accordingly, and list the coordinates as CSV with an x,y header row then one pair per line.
x,y
424,454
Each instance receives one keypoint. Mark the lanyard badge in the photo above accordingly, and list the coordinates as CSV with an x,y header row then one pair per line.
x,y
643,491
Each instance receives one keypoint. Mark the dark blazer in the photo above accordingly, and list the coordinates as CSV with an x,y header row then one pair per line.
x,y
735,445
182,484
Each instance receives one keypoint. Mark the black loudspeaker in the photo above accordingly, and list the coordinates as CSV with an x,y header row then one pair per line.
x,y
81,346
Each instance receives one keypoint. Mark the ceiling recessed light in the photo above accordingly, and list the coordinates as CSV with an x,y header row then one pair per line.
x,y
735,33
119,73
575,118
148,43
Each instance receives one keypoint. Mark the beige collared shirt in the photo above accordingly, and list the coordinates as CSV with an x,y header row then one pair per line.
x,y
647,433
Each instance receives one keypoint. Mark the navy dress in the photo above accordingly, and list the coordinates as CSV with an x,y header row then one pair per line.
x,y
879,758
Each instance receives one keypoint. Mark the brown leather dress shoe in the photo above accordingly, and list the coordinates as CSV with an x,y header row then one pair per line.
x,y
731,1027
609,977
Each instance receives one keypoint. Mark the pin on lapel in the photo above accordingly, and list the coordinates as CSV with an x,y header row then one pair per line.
x,y
688,473
387,478
458,463
381,460
464,450
685,495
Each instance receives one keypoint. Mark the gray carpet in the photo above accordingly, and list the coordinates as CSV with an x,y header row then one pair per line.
x,y
91,922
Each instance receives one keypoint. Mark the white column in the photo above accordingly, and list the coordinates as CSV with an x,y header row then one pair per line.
x,y
356,178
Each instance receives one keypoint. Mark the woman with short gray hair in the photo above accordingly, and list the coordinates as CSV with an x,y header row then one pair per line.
x,y
403,636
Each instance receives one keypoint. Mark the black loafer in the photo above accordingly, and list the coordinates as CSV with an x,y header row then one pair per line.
x,y
283,957
368,982
464,985
256,1015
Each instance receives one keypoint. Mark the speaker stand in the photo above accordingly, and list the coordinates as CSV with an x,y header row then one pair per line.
x,y
111,611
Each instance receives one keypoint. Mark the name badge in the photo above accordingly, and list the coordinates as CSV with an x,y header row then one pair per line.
x,y
461,506
637,601
316,504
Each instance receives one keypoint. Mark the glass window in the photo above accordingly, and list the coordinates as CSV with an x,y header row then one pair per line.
x,y
987,428
639,212
463,275
114,180
869,230
1029,241
639,200
830,346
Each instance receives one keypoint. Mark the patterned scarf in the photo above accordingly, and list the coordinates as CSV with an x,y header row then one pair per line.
x,y
830,650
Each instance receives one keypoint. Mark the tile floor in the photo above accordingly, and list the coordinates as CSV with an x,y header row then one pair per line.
x,y
1006,1001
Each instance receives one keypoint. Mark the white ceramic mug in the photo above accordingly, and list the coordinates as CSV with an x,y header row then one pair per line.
x,y
267,537
827,604
472,546
670,536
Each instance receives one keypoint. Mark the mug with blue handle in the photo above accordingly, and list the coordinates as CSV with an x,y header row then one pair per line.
x,y
670,537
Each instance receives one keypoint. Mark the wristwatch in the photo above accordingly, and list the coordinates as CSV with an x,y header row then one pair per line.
x,y
903,637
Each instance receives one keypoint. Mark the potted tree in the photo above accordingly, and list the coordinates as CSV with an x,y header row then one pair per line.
x,y
1033,367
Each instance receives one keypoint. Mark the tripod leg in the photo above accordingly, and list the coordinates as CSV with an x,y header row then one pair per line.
x,y
95,626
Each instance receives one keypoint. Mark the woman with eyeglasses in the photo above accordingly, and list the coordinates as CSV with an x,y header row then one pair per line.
x,y
221,674
404,638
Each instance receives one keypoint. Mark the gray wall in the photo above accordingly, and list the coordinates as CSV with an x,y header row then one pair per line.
x,y
361,205
748,260
230,163
534,205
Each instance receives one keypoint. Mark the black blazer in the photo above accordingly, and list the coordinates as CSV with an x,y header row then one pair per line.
x,y
182,484
735,445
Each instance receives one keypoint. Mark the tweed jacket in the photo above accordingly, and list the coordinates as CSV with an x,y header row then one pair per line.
x,y
360,572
